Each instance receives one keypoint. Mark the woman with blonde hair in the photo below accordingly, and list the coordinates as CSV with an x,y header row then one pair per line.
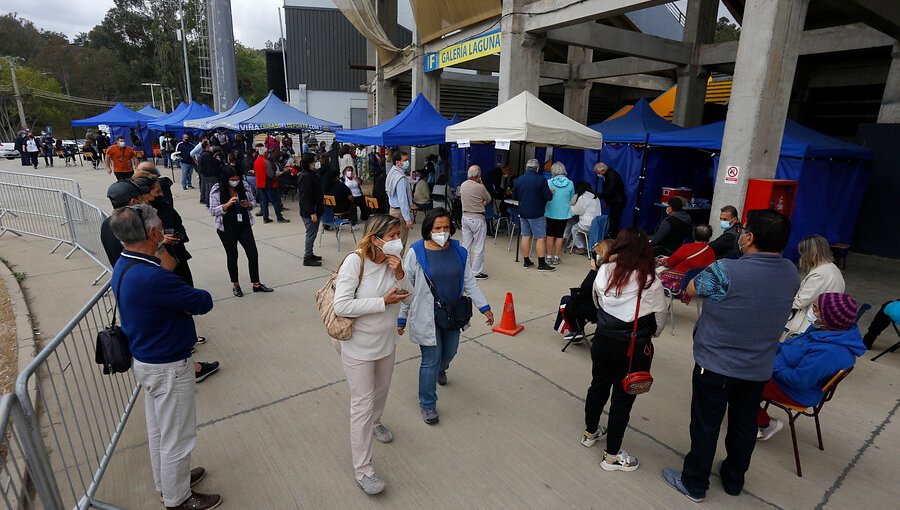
x,y
820,275
558,210
369,287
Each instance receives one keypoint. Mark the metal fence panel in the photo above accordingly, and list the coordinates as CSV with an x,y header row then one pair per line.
x,y
84,221
83,411
34,211
70,186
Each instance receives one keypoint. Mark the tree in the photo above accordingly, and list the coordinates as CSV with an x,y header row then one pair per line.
x,y
251,73
726,30
38,112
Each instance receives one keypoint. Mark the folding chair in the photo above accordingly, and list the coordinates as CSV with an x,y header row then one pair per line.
x,y
372,204
514,223
892,348
439,196
336,224
690,275
795,412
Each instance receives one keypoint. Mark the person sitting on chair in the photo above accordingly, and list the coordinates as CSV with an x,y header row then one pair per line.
x,y
805,363
421,192
889,312
695,255
672,230
580,308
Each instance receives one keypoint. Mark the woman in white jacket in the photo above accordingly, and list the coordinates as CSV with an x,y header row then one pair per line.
x,y
368,356
586,206
820,275
445,263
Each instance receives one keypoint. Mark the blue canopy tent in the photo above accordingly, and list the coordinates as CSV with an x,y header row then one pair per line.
x,y
832,173
121,121
150,111
418,124
272,114
203,123
174,122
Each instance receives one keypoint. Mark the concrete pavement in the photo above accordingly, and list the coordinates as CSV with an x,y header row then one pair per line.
x,y
273,427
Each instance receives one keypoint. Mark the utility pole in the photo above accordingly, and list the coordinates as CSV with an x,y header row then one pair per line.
x,y
12,69
187,69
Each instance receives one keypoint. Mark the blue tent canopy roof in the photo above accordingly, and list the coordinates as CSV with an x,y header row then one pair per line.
x,y
418,124
175,120
798,141
634,126
150,111
205,122
117,116
273,114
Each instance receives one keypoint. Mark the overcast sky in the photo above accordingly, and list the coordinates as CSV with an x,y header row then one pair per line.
x,y
255,21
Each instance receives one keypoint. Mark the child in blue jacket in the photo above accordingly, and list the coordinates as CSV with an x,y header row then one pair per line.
x,y
805,363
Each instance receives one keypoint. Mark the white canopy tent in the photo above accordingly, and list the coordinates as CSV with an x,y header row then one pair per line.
x,y
525,119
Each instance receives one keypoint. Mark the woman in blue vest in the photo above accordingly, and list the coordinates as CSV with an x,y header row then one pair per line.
x,y
445,263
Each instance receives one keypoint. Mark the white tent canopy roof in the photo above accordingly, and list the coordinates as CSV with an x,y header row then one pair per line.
x,y
525,118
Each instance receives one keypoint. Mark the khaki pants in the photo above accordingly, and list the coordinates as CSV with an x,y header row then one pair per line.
x,y
474,230
369,383
404,232
171,424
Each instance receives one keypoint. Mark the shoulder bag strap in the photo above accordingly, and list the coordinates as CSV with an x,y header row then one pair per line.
x,y
431,286
119,290
698,253
637,312
362,265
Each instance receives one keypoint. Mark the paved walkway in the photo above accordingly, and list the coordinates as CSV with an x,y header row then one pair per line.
x,y
274,426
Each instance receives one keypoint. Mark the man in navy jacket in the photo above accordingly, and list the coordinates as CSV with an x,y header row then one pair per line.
x,y
156,309
533,193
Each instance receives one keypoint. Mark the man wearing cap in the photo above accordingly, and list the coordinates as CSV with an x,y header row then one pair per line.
x,y
805,363
673,229
735,341
121,194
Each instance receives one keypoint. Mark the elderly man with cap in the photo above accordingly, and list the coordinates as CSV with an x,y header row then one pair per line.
x,y
533,193
474,196
805,363
613,194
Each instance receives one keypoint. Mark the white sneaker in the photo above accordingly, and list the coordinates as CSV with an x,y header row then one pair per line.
x,y
766,433
588,439
372,485
619,462
383,434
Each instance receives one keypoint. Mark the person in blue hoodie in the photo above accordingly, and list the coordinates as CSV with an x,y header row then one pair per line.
x,y
805,363
558,210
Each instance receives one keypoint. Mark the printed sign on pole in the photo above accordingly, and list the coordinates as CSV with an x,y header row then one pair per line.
x,y
462,144
731,174
502,145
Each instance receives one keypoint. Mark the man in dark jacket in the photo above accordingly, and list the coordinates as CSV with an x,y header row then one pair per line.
x,y
533,193
614,195
183,149
726,245
673,229
209,168
309,189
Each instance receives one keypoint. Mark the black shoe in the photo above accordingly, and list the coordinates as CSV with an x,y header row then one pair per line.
x,y
442,378
315,257
262,288
258,213
206,370
528,264
312,262
267,220
199,501
283,208
197,474
283,220
190,186
546,267
237,291
183,188
481,276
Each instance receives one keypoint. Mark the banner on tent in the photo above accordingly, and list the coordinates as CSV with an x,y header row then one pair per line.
x,y
470,49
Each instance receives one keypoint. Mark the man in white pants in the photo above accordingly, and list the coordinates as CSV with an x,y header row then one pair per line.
x,y
156,309
474,197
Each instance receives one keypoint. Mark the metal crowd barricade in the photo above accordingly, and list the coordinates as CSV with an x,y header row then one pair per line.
x,y
17,457
85,220
35,211
70,186
83,412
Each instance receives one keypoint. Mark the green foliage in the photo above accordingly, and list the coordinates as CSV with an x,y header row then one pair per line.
x,y
726,30
39,112
251,72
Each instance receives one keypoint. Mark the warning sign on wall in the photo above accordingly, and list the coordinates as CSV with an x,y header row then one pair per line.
x,y
731,174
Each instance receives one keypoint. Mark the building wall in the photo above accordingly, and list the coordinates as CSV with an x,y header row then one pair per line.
x,y
331,105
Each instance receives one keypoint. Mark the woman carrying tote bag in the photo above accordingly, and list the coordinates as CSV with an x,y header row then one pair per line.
x,y
444,290
368,356
628,277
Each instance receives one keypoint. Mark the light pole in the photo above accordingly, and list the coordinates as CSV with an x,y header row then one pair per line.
x,y
12,69
152,94
183,37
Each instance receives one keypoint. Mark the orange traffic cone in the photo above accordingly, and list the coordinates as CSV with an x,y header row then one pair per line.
x,y
508,324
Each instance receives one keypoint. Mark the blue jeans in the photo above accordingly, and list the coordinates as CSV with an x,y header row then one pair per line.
x,y
435,359
187,170
269,196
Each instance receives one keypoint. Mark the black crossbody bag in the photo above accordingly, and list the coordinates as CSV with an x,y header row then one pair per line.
x,y
112,350
455,316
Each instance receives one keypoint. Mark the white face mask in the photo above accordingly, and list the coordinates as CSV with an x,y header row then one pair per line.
x,y
233,184
810,316
394,247
440,238
261,151
122,144
318,165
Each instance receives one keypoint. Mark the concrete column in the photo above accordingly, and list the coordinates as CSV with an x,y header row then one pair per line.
x,y
386,90
429,84
890,102
221,52
763,78
578,92
520,54
690,96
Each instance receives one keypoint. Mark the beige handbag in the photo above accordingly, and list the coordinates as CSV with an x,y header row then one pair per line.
x,y
340,328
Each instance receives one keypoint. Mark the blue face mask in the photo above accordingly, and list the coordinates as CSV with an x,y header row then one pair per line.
x,y
406,165
725,225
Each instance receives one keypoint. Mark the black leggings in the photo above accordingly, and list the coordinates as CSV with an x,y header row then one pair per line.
x,y
230,239
610,365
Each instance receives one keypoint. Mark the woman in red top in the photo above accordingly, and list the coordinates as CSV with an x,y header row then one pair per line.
x,y
695,255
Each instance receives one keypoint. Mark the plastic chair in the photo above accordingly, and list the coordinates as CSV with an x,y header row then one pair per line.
x,y
514,223
794,412
336,224
599,228
439,195
688,276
